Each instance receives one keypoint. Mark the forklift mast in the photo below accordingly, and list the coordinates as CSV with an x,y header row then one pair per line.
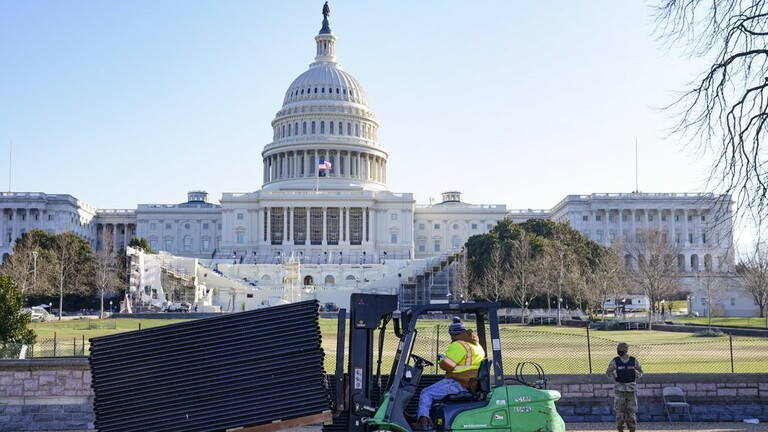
x,y
367,312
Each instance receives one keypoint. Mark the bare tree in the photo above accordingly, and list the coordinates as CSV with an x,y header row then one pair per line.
x,y
70,266
105,265
723,113
493,284
754,271
654,269
522,270
607,280
26,265
461,276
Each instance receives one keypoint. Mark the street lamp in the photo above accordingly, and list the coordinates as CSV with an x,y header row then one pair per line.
x,y
34,270
110,306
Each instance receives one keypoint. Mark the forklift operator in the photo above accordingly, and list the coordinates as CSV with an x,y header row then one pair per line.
x,y
461,361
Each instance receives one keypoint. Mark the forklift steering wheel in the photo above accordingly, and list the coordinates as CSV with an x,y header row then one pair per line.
x,y
421,360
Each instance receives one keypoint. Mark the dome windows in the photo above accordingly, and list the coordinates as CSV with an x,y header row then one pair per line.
x,y
337,90
314,131
322,127
315,90
304,128
330,128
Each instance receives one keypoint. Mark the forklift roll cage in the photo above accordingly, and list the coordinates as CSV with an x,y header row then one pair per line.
x,y
369,312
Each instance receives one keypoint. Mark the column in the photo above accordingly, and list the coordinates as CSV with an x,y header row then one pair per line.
x,y
285,225
347,165
346,226
620,230
264,174
671,226
607,230
325,222
308,240
365,222
384,172
633,215
685,228
269,225
3,236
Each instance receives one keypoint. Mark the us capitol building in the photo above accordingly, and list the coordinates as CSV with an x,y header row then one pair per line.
x,y
341,224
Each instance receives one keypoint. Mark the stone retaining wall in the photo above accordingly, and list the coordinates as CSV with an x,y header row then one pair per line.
x,y
713,397
55,394
45,394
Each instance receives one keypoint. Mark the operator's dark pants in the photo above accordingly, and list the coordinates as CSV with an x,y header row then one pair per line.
x,y
625,405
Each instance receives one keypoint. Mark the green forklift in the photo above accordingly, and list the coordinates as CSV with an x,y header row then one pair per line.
x,y
496,402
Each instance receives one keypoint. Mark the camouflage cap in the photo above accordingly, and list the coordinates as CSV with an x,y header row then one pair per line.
x,y
623,347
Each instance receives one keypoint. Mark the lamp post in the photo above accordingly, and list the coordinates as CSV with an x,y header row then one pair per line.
x,y
34,270
110,306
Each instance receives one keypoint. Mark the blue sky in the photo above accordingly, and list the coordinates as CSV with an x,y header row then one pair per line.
x,y
511,102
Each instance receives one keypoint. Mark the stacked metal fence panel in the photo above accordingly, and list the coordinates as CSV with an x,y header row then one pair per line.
x,y
213,374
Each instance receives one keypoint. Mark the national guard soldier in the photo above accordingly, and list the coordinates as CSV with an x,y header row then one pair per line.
x,y
625,370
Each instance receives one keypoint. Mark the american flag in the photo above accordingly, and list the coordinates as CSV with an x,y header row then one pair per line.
x,y
324,165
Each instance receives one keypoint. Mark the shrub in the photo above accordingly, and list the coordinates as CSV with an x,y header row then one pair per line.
x,y
710,332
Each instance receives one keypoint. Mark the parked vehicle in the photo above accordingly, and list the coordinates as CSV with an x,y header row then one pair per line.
x,y
38,314
627,303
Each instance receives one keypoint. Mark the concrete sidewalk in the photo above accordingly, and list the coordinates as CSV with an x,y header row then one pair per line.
x,y
677,426
610,427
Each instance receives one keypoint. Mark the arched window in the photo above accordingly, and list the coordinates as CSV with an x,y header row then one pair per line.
x,y
341,128
337,90
240,236
304,128
187,242
289,129
330,128
708,262
349,128
350,277
681,262
322,90
296,128
315,89
302,91
313,128
330,280
456,242
322,126
330,90
357,129
282,134
266,278
308,280
344,91
694,262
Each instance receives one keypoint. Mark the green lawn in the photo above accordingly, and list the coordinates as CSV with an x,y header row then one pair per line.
x,y
557,349
727,321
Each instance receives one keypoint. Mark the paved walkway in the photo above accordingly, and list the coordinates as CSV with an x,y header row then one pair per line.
x,y
663,427
610,427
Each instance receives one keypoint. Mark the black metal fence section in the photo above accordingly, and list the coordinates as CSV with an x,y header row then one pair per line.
x,y
213,374
583,351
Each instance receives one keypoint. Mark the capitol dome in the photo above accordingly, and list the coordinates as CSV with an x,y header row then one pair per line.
x,y
325,122
326,82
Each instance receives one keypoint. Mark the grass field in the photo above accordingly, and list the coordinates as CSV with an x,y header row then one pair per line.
x,y
727,321
557,349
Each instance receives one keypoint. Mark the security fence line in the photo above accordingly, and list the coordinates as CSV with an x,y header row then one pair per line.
x,y
580,351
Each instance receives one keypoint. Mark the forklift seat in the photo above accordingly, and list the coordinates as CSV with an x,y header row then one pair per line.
x,y
478,387
445,410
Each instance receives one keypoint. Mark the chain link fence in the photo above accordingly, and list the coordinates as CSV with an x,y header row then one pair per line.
x,y
75,347
558,351
583,351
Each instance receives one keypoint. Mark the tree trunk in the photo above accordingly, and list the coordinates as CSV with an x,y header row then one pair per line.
x,y
61,298
101,314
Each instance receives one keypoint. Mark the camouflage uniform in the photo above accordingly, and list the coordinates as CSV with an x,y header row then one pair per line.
x,y
625,396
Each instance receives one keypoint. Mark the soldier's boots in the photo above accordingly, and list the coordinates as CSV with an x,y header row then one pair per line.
x,y
620,428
